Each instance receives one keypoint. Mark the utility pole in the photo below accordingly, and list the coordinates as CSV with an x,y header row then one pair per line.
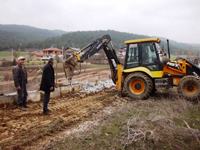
x,y
19,50
12,54
56,66
62,53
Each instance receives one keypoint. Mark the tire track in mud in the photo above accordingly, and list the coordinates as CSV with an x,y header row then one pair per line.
x,y
21,129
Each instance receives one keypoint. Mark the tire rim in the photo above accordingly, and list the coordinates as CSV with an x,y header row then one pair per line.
x,y
190,88
137,86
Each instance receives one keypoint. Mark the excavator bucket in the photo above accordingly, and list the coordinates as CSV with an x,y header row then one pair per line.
x,y
69,65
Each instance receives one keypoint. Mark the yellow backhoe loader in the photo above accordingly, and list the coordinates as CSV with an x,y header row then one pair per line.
x,y
144,68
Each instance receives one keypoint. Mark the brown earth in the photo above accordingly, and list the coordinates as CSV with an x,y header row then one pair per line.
x,y
30,129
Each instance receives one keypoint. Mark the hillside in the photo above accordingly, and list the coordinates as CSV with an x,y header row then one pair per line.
x,y
11,36
181,45
82,38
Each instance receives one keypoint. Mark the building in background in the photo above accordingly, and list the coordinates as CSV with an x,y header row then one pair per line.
x,y
51,53
121,52
69,51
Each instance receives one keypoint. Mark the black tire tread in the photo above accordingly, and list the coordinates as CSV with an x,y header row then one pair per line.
x,y
148,81
181,85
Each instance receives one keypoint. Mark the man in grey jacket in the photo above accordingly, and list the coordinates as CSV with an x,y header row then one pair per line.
x,y
20,81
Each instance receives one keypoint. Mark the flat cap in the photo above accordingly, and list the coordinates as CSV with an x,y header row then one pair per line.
x,y
21,57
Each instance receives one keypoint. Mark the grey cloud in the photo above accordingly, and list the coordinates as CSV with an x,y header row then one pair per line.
x,y
177,20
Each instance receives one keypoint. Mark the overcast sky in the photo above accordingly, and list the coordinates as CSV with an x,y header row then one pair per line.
x,y
177,20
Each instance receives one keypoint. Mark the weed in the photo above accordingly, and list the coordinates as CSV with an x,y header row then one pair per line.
x,y
152,124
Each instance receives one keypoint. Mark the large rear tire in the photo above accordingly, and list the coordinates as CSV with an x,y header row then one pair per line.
x,y
138,85
189,87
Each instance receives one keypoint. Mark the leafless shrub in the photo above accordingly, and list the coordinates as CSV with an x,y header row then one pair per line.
x,y
164,124
6,63
8,77
135,135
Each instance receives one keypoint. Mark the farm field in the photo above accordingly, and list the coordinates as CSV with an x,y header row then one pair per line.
x,y
8,55
174,57
103,120
100,120
5,54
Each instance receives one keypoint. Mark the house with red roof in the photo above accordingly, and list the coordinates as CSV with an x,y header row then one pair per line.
x,y
51,52
121,52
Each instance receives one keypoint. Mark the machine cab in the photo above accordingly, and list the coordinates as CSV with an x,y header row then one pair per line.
x,y
144,53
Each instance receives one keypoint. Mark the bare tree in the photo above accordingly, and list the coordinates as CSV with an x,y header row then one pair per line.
x,y
15,54
178,52
189,53
196,53
30,54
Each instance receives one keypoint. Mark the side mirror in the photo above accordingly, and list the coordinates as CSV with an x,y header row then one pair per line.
x,y
152,48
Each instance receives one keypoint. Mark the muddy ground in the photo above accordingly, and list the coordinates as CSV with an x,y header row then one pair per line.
x,y
30,129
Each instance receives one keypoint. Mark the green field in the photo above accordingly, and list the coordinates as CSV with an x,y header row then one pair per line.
x,y
6,54
174,57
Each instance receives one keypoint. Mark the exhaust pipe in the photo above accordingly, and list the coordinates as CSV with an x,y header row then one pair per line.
x,y
168,48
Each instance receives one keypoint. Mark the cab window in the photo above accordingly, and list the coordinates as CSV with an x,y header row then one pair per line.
x,y
149,57
133,56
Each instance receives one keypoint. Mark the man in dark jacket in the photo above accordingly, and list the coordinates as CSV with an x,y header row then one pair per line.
x,y
47,84
20,81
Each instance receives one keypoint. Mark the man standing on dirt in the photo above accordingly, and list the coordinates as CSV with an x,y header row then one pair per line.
x,y
20,81
47,84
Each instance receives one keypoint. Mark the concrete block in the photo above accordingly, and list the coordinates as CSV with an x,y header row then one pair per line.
x,y
68,89
77,88
34,96
11,99
55,93
65,90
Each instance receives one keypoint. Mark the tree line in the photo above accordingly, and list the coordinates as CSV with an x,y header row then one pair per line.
x,y
14,36
27,37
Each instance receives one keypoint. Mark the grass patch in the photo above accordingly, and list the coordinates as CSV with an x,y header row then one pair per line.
x,y
174,57
6,54
157,123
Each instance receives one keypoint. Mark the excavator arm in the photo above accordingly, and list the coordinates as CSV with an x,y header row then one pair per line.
x,y
88,51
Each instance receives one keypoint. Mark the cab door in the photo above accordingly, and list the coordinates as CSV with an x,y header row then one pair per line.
x,y
132,59
143,54
149,56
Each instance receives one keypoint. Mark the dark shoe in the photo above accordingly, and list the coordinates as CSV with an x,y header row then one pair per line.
x,y
49,110
22,107
47,113
26,106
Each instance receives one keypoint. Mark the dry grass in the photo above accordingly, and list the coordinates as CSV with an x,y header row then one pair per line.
x,y
165,121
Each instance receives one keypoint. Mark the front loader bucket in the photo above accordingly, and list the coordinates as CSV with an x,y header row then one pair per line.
x,y
194,71
69,65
